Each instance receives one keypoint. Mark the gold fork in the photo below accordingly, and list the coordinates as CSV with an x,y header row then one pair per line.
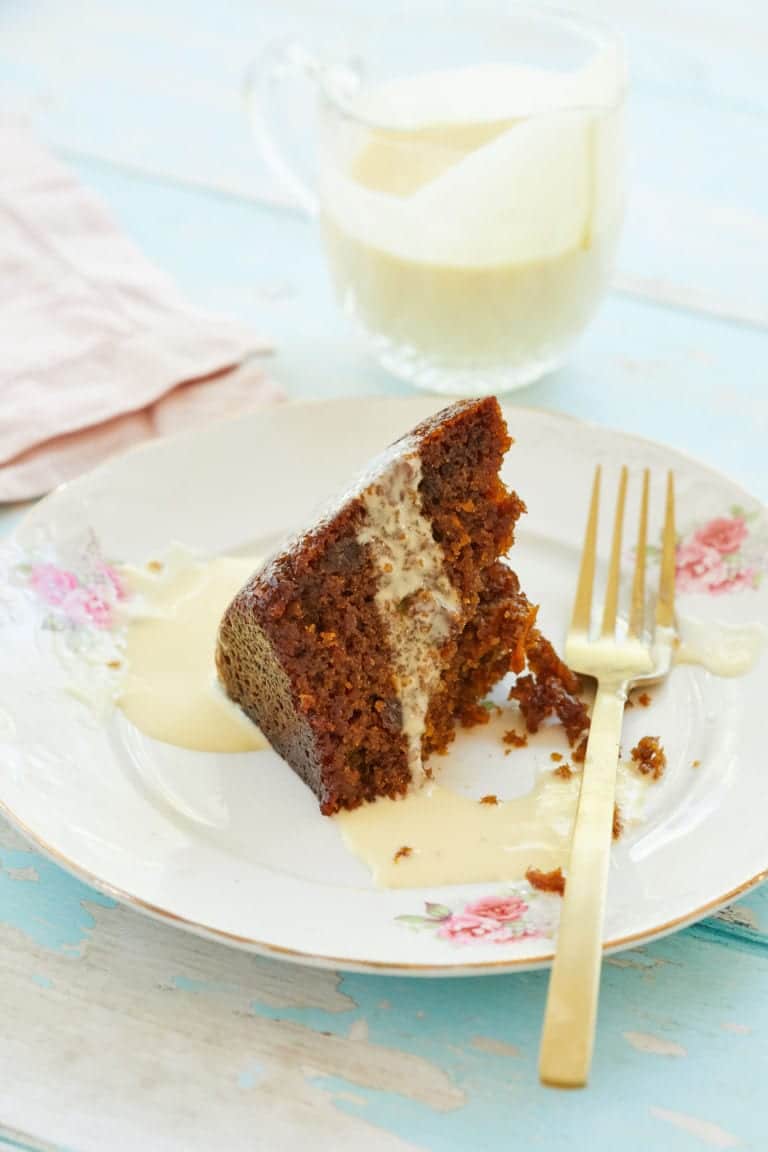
x,y
618,663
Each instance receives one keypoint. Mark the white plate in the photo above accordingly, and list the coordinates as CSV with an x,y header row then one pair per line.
x,y
234,846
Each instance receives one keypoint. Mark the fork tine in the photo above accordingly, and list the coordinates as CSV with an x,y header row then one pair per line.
x,y
582,604
665,605
614,571
637,611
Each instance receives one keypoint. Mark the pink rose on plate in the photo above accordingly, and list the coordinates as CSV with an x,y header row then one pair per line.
x,y
498,907
744,578
463,928
725,534
113,577
698,566
83,607
52,584
95,608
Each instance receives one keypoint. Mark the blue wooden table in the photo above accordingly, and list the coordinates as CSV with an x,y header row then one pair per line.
x,y
119,1033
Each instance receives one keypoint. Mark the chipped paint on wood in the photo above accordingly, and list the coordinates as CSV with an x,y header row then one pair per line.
x,y
647,1042
250,1076
48,906
27,872
704,1130
494,1047
739,915
358,1030
367,1064
637,958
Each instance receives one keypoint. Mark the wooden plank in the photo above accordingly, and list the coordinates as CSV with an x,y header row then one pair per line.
x,y
124,1033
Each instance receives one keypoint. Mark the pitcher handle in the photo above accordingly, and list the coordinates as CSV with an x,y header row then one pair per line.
x,y
282,61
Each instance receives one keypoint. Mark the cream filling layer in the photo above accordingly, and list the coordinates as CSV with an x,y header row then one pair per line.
x,y
416,600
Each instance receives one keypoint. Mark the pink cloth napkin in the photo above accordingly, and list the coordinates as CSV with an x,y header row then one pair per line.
x,y
98,349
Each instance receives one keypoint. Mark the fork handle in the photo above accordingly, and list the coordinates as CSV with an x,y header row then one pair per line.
x,y
569,1021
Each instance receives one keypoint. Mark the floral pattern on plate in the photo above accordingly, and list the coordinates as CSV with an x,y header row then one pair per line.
x,y
79,592
513,913
75,598
722,555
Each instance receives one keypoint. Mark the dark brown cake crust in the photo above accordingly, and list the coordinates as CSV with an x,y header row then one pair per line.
x,y
302,650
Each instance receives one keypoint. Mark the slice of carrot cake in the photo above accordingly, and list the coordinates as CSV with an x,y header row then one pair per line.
x,y
359,647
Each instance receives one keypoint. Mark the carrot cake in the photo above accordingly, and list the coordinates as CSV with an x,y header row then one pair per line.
x,y
359,648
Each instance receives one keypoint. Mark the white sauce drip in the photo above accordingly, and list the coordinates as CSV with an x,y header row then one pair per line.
x,y
721,649
170,690
417,603
455,839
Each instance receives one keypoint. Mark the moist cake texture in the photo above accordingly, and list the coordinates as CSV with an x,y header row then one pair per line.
x,y
360,646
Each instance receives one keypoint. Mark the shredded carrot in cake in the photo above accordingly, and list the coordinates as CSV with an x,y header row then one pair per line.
x,y
515,739
474,714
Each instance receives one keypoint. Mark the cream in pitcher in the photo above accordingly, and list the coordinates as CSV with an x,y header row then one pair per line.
x,y
469,180
477,224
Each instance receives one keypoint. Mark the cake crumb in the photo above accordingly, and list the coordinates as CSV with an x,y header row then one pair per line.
x,y
553,881
556,756
154,565
618,823
491,799
114,663
563,771
644,699
515,739
507,751
579,754
649,757
696,764
402,853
